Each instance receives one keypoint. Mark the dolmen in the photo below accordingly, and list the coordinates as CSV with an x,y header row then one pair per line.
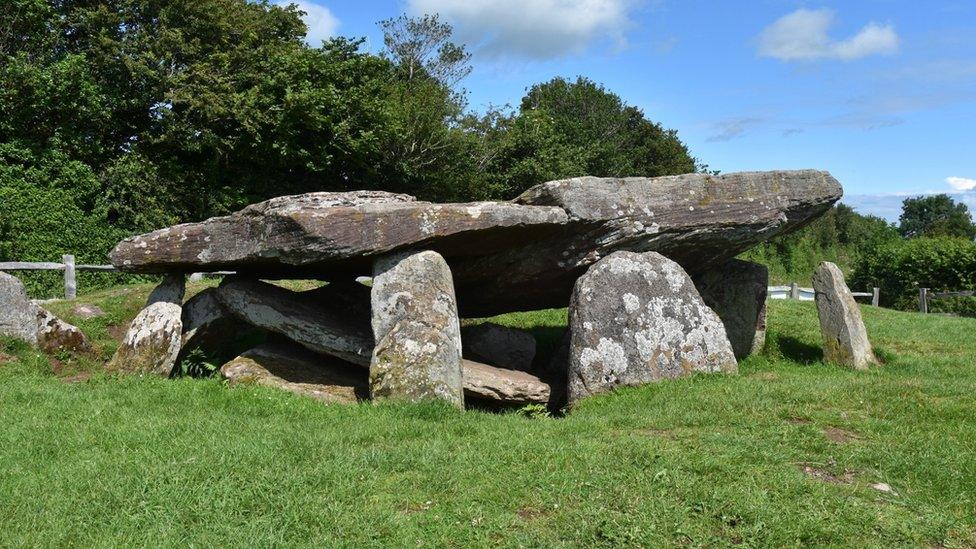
x,y
645,265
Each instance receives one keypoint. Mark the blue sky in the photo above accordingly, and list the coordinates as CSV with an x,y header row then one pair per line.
x,y
882,93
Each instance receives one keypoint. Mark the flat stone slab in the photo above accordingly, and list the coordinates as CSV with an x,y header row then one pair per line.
x,y
505,256
291,368
637,318
482,381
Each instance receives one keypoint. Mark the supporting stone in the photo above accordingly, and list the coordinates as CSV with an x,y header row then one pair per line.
x,y
499,385
845,340
153,342
499,346
736,291
415,323
636,318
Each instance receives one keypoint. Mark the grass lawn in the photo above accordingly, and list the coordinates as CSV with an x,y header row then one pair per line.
x,y
785,453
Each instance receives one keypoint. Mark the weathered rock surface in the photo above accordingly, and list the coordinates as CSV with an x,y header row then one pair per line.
x,y
736,291
418,336
152,343
636,318
295,316
18,316
845,340
504,256
200,312
292,368
22,319
54,334
482,381
499,346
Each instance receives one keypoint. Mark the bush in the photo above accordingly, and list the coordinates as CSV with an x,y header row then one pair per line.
x,y
900,268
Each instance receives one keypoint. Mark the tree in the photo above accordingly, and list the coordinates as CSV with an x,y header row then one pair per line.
x,y
936,215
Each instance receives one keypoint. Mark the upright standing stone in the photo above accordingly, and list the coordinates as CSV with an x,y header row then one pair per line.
x,y
636,318
736,291
415,322
153,341
18,316
845,340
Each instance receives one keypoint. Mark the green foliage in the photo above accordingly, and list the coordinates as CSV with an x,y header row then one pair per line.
x,y
902,267
936,215
841,235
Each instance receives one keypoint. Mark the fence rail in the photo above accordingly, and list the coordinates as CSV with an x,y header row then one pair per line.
x,y
67,265
794,291
925,296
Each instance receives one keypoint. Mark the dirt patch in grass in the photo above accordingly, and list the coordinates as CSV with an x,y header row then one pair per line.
x,y
5,358
840,436
794,420
823,475
118,331
531,513
80,377
417,508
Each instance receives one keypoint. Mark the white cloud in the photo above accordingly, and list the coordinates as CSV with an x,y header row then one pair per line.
x,y
802,35
727,130
538,29
319,20
961,183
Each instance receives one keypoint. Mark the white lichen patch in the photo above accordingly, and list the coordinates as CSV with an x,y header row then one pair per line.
x,y
631,303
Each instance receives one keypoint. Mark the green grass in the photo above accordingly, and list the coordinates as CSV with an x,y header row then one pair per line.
x,y
708,461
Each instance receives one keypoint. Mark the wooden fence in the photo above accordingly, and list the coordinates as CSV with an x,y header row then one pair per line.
x,y
67,265
794,291
926,295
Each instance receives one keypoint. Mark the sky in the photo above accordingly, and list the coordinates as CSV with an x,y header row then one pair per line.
x,y
881,93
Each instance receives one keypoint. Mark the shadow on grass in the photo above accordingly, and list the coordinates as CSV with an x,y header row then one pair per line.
x,y
798,351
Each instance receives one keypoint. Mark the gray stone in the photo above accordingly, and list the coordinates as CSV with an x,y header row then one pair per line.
x,y
499,346
415,323
153,341
292,368
54,334
22,319
636,318
500,385
845,340
523,255
736,291
200,312
18,316
305,321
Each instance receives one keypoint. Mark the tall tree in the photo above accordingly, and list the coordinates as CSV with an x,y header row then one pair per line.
x,y
936,215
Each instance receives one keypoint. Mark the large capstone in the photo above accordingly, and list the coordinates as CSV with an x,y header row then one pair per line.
x,y
637,318
736,291
845,340
153,341
505,256
415,323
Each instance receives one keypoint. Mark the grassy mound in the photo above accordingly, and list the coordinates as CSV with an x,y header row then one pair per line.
x,y
785,453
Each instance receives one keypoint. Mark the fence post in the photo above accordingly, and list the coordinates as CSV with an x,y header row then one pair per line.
x,y
923,300
794,290
70,286
875,296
